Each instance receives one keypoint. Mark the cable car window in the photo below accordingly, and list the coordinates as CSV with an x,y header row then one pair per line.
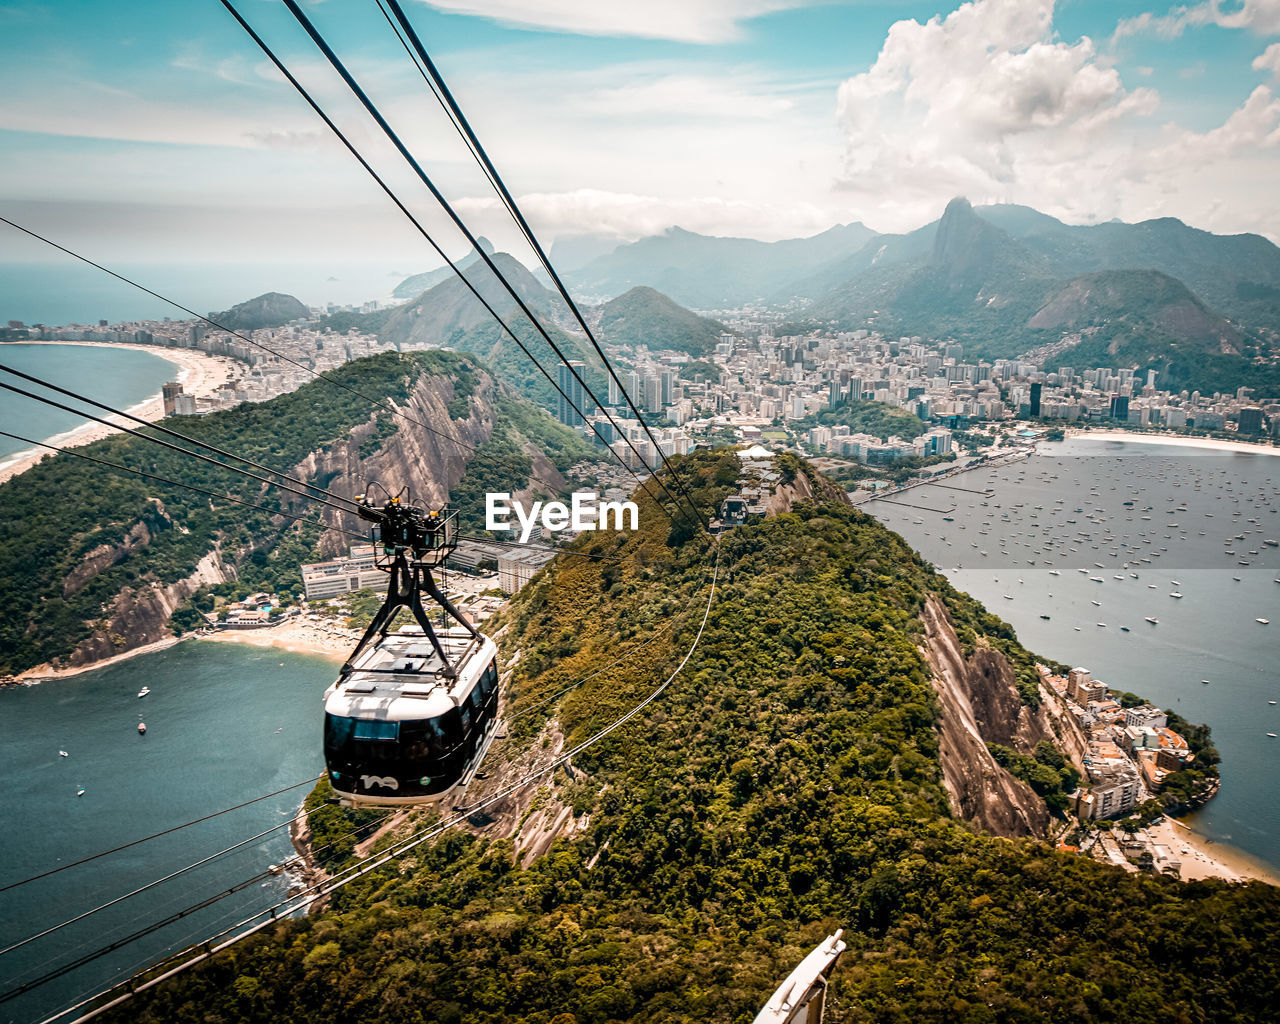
x,y
338,731
373,729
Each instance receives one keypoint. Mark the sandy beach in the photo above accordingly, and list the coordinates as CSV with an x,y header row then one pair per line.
x,y
1173,440
299,636
1207,859
199,374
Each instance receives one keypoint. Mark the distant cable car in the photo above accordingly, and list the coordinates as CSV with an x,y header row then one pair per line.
x,y
413,712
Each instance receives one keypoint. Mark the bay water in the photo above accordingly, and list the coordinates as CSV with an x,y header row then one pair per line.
x,y
118,377
225,723
1077,547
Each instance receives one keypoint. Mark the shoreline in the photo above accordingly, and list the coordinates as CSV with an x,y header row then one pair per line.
x,y
290,635
1210,858
199,374
1172,440
46,673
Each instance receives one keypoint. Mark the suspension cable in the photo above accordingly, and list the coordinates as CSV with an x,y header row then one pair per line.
x,y
157,835
533,320
176,434
459,120
172,447
178,483
338,133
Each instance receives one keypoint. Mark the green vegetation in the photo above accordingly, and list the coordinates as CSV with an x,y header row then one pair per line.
x,y
699,368
785,785
643,316
365,323
101,531
867,417
1047,772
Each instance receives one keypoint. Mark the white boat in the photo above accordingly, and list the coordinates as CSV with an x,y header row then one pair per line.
x,y
1271,734
1054,572
79,791
1153,620
1175,594
1103,625
1265,622
63,753
144,691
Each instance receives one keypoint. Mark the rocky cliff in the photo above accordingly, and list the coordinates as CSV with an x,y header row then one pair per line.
x,y
980,705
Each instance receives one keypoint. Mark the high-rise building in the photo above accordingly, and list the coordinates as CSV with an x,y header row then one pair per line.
x,y
1250,420
572,394
615,393
653,393
1036,388
1120,407
171,391
668,387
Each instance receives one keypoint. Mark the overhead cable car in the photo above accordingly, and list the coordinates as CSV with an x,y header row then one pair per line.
x,y
412,712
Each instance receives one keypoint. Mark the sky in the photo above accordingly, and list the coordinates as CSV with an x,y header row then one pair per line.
x,y
156,132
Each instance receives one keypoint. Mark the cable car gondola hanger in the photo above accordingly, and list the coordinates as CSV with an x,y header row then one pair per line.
x,y
412,713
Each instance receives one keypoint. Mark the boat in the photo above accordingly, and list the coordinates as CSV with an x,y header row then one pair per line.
x,y
1102,624
142,728
1097,579
1054,572
1271,543
1271,734
1205,681
79,791
1045,617
1008,597
1175,594
1153,620
1124,629
1265,622
63,753
144,691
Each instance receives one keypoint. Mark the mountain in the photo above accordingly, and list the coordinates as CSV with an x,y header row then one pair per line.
x,y
708,272
1237,275
412,287
973,281
570,252
643,316
1152,301
269,310
1147,319
851,744
446,311
116,560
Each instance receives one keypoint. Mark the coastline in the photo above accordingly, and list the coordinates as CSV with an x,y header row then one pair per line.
x,y
297,637
1172,440
46,673
1209,858
199,373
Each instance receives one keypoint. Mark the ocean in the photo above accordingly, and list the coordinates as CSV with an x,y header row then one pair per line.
x,y
1087,540
119,377
225,723
62,292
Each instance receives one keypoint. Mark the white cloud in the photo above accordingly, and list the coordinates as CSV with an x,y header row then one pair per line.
x,y
689,21
1268,60
984,102
1259,16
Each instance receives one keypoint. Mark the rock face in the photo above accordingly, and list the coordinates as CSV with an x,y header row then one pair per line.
x,y
980,705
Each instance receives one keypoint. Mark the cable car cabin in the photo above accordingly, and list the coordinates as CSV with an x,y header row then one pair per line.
x,y
398,730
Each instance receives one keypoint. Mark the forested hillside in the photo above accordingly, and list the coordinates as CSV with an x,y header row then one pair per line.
x,y
787,784
96,560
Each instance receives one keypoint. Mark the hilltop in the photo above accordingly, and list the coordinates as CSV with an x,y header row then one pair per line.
x,y
799,775
643,316
271,309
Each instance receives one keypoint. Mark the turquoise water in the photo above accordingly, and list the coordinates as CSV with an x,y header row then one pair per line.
x,y
118,377
225,724
1197,501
